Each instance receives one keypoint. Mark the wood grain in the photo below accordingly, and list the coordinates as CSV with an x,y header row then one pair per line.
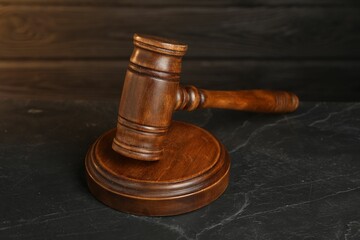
x,y
190,98
310,80
60,32
162,3
193,173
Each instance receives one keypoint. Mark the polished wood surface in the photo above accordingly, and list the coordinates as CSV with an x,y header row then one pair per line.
x,y
189,176
151,93
190,98
148,97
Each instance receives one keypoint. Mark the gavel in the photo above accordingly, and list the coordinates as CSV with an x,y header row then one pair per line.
x,y
182,167
151,93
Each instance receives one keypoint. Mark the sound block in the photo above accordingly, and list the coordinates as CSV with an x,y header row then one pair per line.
x,y
193,172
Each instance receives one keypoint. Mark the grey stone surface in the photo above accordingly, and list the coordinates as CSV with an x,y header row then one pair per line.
x,y
293,176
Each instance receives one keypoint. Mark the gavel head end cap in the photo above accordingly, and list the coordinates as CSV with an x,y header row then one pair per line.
x,y
160,45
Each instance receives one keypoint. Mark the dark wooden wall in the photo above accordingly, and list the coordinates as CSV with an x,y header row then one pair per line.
x,y
80,48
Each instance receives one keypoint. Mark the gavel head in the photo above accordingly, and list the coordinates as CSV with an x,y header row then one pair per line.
x,y
149,97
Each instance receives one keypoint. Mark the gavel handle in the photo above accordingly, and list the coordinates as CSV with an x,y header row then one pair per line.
x,y
190,98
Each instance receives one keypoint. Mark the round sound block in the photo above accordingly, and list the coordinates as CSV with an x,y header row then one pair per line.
x,y
193,172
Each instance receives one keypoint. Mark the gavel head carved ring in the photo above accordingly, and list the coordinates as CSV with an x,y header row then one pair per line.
x,y
151,93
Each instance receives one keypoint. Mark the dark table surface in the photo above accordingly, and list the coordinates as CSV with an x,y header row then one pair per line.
x,y
293,176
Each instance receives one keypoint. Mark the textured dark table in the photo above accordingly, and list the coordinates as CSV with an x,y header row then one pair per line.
x,y
294,176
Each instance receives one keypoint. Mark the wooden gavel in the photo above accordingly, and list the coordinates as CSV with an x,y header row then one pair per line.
x,y
194,166
151,94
